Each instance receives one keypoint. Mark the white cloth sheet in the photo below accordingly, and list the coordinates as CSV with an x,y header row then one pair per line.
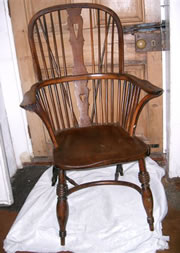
x,y
102,219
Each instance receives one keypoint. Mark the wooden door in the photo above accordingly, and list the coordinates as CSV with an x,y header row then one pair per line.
x,y
146,65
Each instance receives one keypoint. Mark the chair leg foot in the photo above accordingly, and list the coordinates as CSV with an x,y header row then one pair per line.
x,y
119,170
55,175
62,205
151,224
146,193
62,236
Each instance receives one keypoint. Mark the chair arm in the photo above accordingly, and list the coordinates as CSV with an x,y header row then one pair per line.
x,y
29,99
145,85
31,103
152,92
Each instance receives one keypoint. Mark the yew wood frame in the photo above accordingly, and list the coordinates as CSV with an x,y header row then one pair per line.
x,y
33,102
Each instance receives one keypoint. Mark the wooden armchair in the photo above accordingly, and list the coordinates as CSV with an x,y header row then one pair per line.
x,y
89,106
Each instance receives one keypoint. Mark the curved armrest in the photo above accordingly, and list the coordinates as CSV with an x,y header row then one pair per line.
x,y
145,85
152,92
31,103
29,99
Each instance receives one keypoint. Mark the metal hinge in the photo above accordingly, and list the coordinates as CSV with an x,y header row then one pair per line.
x,y
154,145
146,27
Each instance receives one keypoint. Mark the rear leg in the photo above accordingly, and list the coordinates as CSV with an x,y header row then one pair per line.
x,y
119,171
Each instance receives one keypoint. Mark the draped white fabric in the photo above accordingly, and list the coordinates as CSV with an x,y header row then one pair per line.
x,y
102,219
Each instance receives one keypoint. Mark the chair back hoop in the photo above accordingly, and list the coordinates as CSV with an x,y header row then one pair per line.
x,y
74,39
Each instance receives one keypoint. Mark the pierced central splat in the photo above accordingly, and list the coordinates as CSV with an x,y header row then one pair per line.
x,y
75,25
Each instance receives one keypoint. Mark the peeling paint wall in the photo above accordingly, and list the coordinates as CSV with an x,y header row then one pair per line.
x,y
11,89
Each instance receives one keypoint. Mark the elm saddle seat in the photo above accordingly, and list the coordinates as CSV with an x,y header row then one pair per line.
x,y
96,146
89,106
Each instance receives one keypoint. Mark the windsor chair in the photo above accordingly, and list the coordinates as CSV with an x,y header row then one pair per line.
x,y
88,104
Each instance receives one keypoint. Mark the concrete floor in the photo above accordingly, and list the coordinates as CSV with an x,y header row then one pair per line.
x,y
171,227
171,223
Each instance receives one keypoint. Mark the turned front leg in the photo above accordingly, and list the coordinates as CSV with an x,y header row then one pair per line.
x,y
62,205
146,193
